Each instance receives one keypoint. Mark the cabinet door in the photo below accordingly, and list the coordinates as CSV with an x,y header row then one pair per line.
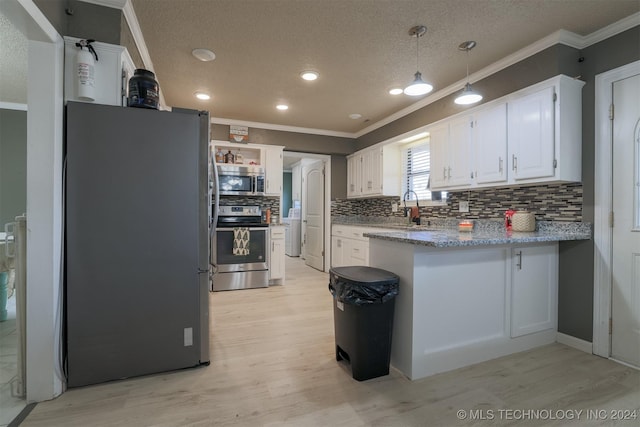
x,y
273,171
490,144
531,135
459,147
371,172
534,289
276,262
354,175
359,252
439,136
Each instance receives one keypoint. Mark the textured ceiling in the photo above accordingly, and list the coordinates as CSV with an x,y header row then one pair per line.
x,y
361,48
13,63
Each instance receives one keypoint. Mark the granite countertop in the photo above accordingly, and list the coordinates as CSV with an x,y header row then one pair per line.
x,y
443,233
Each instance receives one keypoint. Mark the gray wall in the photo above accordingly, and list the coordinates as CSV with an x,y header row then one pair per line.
x,y
304,143
13,165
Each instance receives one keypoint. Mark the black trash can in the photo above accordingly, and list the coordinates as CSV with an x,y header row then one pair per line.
x,y
364,299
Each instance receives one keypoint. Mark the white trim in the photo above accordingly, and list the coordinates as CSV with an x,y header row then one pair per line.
x,y
611,30
270,126
44,198
13,106
574,342
627,364
114,4
603,205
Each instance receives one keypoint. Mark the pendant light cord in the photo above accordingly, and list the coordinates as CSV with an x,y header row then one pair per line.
x,y
468,65
417,52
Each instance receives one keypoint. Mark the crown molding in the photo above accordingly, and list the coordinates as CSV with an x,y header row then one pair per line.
x,y
270,126
114,4
611,30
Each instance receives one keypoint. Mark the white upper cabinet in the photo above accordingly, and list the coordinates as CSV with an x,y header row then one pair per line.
x,y
531,135
374,172
439,138
111,73
451,153
273,170
528,137
371,171
354,176
459,169
490,144
545,132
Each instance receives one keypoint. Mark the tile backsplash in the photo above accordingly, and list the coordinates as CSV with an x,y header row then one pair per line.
x,y
553,202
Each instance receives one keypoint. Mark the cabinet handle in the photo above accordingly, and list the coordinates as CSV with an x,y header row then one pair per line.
x,y
449,173
519,263
339,243
514,163
500,165
444,173
369,185
273,248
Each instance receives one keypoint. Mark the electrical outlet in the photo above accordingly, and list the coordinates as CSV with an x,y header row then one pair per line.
x,y
463,206
394,207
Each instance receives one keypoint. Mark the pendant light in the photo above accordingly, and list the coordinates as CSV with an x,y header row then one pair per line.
x,y
418,86
468,95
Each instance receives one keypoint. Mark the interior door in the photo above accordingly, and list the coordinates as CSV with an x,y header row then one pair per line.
x,y
625,298
313,221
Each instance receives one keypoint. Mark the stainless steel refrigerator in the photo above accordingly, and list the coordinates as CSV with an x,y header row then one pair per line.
x,y
137,235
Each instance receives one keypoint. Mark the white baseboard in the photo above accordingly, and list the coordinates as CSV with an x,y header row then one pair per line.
x,y
574,342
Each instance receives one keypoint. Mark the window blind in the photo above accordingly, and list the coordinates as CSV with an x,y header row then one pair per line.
x,y
417,161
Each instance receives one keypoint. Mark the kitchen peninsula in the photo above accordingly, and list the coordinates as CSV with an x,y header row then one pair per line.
x,y
467,297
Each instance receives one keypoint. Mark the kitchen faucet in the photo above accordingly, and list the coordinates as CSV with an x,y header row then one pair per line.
x,y
404,200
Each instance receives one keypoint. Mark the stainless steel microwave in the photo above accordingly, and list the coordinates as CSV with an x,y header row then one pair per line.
x,y
239,180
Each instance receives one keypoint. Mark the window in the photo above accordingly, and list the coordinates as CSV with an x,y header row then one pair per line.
x,y
417,165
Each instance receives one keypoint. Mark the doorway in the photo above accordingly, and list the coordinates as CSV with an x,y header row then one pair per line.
x,y
314,203
617,216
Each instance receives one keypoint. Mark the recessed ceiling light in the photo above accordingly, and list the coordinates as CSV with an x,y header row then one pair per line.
x,y
203,96
203,54
282,107
309,75
395,91
355,116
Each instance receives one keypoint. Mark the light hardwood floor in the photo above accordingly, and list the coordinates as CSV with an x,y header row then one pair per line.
x,y
273,364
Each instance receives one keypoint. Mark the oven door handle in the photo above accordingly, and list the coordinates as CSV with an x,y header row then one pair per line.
x,y
265,229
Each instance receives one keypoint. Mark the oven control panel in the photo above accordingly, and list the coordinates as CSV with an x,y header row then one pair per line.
x,y
240,211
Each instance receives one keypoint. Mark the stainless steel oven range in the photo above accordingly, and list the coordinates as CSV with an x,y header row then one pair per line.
x,y
240,269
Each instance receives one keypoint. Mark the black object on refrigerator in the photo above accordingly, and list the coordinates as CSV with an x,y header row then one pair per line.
x,y
137,235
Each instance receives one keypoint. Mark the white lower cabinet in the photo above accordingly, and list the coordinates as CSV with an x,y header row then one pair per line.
x,y
349,247
276,255
534,289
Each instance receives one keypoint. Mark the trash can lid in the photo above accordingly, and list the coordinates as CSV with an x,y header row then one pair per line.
x,y
364,274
